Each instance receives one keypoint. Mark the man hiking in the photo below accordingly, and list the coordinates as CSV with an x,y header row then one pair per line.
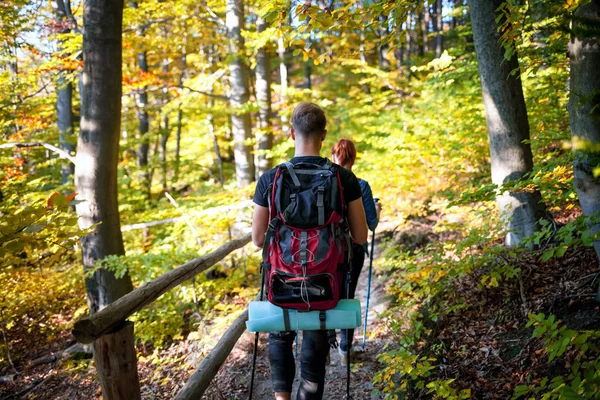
x,y
308,132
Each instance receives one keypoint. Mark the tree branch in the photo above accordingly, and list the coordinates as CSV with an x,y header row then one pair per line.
x,y
60,152
217,96
23,98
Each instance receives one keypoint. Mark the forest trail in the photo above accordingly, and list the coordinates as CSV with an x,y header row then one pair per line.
x,y
233,379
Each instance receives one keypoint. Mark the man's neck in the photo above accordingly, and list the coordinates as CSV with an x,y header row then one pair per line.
x,y
306,150
306,154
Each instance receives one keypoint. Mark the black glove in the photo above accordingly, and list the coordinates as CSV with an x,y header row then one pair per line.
x,y
332,339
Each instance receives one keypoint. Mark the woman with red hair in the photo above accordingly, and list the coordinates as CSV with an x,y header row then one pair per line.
x,y
344,154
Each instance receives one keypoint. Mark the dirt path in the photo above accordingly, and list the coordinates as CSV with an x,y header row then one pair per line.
x,y
232,382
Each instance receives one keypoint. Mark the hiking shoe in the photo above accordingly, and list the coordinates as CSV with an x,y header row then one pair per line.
x,y
343,357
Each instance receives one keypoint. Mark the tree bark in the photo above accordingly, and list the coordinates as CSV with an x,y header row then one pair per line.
x,y
439,28
165,131
143,149
283,82
64,101
584,109
210,120
308,74
507,123
263,97
179,118
115,359
420,31
425,26
408,39
240,93
382,49
96,172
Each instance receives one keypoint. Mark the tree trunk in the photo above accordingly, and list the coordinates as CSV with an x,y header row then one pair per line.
x,y
584,109
238,77
308,74
420,31
179,117
425,26
439,28
507,123
283,82
143,127
263,97
64,113
165,131
400,49
408,38
115,358
143,119
210,120
64,102
96,174
382,49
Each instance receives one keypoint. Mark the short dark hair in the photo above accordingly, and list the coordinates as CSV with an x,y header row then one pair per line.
x,y
308,120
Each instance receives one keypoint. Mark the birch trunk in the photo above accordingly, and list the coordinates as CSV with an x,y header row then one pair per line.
x,y
283,82
96,180
425,26
165,131
239,83
408,38
263,97
439,28
584,109
507,123
179,118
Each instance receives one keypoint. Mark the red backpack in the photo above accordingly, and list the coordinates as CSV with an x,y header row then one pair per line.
x,y
307,245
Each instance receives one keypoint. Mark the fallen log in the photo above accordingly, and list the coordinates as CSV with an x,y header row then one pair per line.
x,y
89,329
195,387
53,357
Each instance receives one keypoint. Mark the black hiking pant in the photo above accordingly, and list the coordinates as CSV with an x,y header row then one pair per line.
x,y
358,259
313,356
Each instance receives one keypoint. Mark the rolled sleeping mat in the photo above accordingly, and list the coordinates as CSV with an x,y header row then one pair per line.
x,y
266,317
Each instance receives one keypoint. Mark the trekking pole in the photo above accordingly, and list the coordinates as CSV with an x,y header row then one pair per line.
x,y
349,345
255,351
364,343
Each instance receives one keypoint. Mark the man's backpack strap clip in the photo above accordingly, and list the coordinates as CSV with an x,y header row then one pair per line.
x,y
290,208
322,317
286,320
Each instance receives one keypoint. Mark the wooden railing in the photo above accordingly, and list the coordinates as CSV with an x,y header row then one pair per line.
x,y
112,319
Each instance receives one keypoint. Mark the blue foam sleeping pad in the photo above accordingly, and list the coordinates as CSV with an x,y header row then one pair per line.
x,y
265,317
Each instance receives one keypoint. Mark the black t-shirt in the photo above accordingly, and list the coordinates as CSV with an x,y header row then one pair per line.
x,y
350,184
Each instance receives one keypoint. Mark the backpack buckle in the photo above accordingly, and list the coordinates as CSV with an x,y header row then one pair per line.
x,y
274,223
322,317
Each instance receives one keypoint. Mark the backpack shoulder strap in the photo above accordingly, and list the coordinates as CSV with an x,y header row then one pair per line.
x,y
290,168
